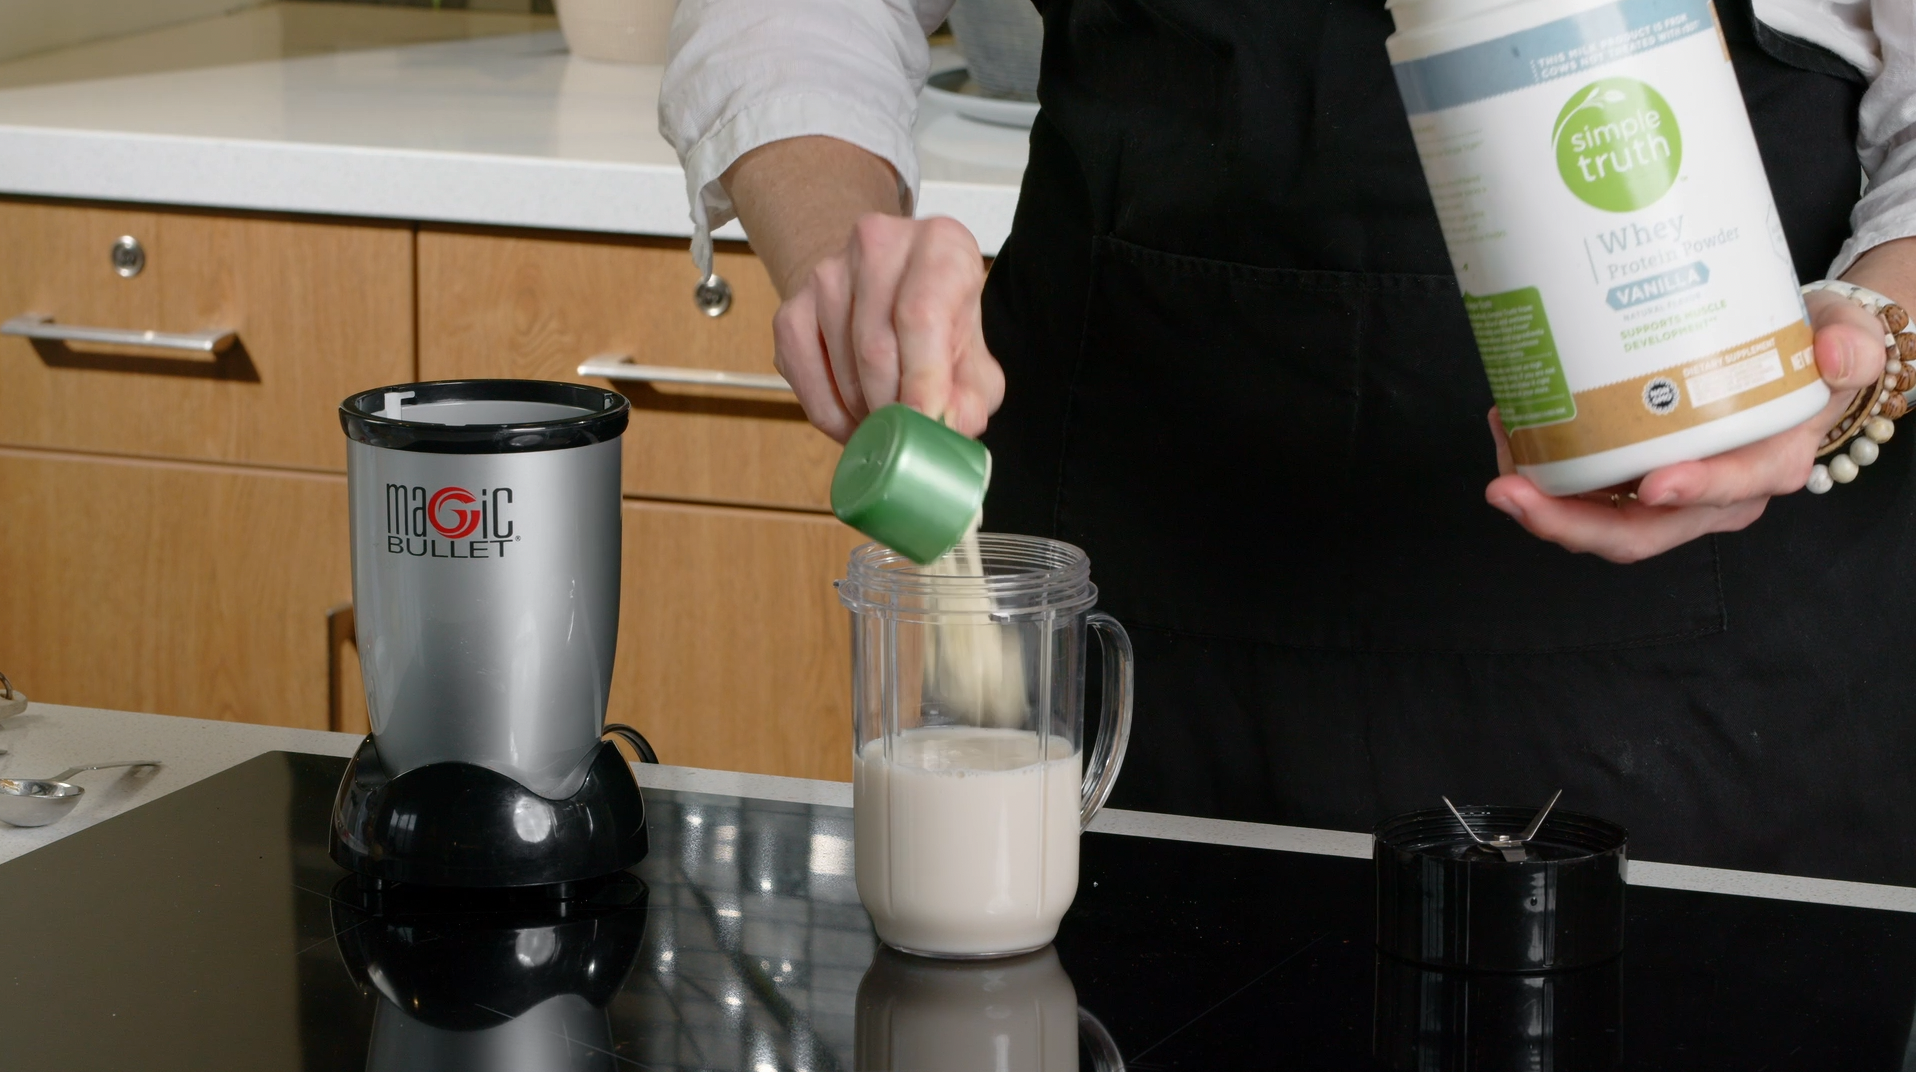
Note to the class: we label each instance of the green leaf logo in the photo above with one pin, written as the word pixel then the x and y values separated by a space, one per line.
pixel 1618 147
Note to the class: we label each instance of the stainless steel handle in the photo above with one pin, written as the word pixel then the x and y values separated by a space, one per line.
pixel 620 367
pixel 713 295
pixel 38 326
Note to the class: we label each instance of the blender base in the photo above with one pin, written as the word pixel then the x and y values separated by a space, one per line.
pixel 462 825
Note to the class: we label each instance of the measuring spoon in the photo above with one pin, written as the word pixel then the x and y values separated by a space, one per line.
pixel 39 801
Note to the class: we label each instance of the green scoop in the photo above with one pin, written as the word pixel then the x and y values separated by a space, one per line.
pixel 910 483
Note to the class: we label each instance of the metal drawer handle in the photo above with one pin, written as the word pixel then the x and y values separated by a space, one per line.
pixel 713 295
pixel 620 367
pixel 38 326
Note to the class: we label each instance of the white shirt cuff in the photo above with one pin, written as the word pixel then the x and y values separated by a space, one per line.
pixel 1887 210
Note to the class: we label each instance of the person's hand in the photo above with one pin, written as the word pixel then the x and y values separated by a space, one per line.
pixel 1678 503
pixel 893 317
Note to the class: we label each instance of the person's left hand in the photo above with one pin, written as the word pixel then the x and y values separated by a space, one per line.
pixel 1677 503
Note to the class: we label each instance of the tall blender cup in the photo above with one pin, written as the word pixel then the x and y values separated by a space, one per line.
pixel 485 542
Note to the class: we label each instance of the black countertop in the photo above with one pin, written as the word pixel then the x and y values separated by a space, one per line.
pixel 209 930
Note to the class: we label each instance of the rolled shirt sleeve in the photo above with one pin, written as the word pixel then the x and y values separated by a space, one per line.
pixel 1887 138
pixel 744 73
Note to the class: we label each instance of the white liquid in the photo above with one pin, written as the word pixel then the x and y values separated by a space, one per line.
pixel 1019 1014
pixel 966 840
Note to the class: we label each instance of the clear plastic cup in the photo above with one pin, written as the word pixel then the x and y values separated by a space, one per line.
pixel 971 780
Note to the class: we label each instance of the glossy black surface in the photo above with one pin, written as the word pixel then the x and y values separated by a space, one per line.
pixel 209 930
pixel 1433 1020
pixel 476 964
pixel 457 824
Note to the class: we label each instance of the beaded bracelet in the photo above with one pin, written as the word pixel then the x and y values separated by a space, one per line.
pixel 1867 424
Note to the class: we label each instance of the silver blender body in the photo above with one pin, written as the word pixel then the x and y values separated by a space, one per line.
pixel 486 592
pixel 485 539
pixel 563 1032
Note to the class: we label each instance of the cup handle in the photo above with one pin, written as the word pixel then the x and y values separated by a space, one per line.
pixel 1105 1055
pixel 1114 725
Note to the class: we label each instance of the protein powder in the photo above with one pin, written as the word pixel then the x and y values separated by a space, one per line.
pixel 1610 224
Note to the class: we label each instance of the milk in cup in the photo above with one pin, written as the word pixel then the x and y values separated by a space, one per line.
pixel 968 839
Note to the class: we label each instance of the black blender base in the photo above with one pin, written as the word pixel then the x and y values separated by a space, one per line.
pixel 462 825
pixel 456 960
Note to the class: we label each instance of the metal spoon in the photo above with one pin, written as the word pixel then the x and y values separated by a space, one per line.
pixel 1511 848
pixel 39 801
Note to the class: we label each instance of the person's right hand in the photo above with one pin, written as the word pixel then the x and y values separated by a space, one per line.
pixel 893 317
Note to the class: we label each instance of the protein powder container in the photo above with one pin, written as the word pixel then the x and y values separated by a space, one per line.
pixel 1611 227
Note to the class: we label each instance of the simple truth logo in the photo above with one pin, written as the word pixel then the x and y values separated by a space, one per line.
pixel 1618 147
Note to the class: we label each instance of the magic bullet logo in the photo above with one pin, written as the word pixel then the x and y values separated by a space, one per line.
pixel 450 522
pixel 464 521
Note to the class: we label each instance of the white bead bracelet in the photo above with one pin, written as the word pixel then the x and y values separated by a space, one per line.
pixel 1869 421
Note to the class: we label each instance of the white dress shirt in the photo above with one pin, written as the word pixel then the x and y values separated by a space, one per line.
pixel 747 72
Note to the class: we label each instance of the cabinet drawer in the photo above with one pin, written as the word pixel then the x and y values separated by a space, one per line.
pixel 734 652
pixel 183 589
pixel 320 310
pixel 529 305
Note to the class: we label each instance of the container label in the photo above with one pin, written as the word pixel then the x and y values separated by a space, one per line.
pixel 1556 50
pixel 1513 335
pixel 1618 145
pixel 1609 220
pixel 1671 399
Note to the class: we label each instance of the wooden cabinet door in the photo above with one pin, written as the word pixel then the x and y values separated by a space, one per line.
pixel 321 310
pixel 734 652
pixel 178 588
pixel 528 304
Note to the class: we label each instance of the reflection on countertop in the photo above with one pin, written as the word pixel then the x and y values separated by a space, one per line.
pixel 756 942
pixel 209 930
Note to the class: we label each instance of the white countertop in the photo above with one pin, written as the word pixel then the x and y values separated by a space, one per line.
pixel 508 131
pixel 50 738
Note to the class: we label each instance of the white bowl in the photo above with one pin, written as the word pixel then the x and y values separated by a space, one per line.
pixel 955 89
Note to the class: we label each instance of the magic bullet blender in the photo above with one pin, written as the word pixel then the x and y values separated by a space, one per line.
pixel 485 543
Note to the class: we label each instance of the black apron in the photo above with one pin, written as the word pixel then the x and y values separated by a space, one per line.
pixel 1240 377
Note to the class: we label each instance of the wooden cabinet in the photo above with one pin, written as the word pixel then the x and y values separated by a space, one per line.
pixel 160 586
pixel 733 649
pixel 175 525
pixel 526 304
pixel 320 310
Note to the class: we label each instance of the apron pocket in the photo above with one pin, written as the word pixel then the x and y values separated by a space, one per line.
pixel 1299 457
